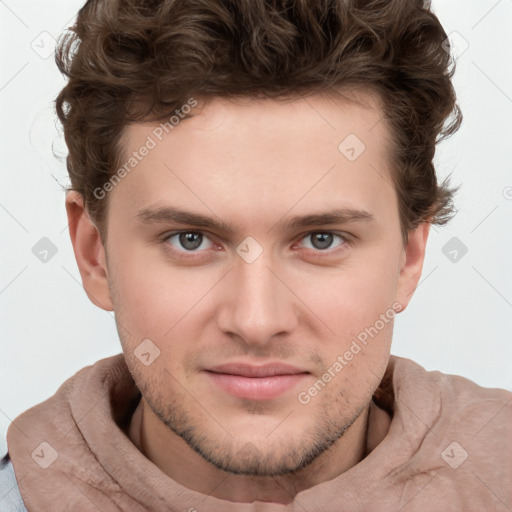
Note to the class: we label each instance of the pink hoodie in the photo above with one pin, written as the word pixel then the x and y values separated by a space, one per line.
pixel 448 448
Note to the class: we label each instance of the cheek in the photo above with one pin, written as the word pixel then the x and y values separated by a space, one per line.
pixel 153 296
pixel 354 295
pixel 355 303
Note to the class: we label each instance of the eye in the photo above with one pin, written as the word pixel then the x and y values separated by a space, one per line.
pixel 189 241
pixel 321 240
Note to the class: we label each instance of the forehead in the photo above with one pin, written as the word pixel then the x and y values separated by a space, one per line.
pixel 243 120
pixel 310 151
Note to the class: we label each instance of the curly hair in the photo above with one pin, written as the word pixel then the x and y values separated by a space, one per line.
pixel 131 61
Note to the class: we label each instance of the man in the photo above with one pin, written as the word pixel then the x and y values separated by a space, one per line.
pixel 252 191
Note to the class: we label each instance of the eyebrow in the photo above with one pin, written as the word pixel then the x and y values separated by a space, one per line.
pixel 174 215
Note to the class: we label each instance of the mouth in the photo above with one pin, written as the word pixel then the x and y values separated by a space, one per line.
pixel 257 383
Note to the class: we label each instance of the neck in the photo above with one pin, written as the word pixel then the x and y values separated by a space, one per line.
pixel 172 455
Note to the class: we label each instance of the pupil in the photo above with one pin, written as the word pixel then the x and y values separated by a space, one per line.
pixel 322 240
pixel 191 240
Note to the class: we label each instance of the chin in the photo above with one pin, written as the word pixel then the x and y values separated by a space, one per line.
pixel 249 460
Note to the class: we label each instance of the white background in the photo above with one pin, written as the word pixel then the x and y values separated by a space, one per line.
pixel 460 320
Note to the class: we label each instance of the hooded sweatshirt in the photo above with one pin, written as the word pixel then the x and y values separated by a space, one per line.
pixel 448 448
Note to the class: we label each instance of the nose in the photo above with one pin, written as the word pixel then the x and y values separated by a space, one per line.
pixel 258 304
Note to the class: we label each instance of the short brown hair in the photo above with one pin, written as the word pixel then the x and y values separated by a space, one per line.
pixel 138 60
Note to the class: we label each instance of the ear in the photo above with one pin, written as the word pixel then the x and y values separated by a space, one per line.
pixel 89 252
pixel 411 263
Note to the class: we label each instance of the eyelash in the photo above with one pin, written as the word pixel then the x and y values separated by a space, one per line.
pixel 346 241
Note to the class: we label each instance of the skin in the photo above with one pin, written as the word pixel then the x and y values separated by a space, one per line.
pixel 253 164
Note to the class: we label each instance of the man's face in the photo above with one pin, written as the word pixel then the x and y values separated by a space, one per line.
pixel 271 283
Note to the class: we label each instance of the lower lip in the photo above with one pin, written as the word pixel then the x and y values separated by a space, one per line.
pixel 256 388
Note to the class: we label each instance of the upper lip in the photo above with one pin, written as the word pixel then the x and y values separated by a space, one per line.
pixel 247 370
